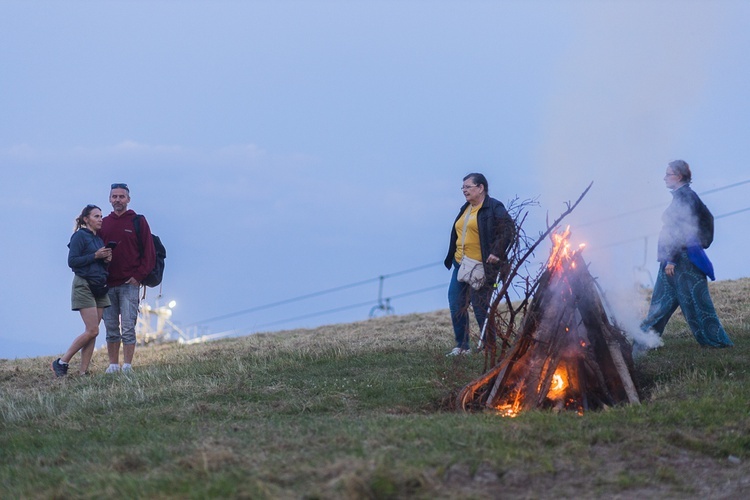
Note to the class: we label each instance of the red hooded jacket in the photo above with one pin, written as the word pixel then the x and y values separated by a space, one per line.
pixel 127 261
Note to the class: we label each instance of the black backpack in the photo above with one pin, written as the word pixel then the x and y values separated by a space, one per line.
pixel 157 273
pixel 705 225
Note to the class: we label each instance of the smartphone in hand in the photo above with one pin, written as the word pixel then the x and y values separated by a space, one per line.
pixel 111 244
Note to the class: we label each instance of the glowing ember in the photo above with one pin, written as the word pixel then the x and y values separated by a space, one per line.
pixel 507 411
pixel 510 409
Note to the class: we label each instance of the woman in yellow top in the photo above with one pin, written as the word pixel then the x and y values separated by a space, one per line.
pixel 483 231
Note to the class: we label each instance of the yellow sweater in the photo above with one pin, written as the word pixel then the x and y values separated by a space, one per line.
pixel 471 247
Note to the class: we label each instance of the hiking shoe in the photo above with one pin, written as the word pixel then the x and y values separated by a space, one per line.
pixel 457 351
pixel 60 369
pixel 112 369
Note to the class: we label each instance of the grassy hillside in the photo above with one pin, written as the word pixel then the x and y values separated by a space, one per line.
pixel 363 410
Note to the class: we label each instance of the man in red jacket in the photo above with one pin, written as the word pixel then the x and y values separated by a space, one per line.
pixel 132 261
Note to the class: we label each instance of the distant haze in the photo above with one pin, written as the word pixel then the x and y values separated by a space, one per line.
pixel 284 148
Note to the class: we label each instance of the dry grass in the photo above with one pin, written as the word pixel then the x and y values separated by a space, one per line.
pixel 361 411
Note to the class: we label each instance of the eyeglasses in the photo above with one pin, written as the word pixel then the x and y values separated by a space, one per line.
pixel 120 185
pixel 468 187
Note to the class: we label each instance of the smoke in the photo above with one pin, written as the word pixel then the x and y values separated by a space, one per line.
pixel 622 89
pixel 649 339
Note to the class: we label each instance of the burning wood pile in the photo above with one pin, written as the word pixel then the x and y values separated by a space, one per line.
pixel 567 356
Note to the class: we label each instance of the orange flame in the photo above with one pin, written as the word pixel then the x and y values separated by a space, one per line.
pixel 560 248
pixel 511 409
pixel 561 252
pixel 558 385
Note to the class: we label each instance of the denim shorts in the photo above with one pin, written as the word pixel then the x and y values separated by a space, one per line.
pixel 121 318
pixel 82 298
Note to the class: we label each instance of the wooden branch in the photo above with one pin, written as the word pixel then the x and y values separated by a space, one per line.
pixel 594 316
pixel 514 270
pixel 615 351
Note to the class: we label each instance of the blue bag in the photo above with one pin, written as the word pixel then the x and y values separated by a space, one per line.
pixel 698 256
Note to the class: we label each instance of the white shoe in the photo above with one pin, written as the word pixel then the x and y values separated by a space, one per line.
pixel 112 369
pixel 457 351
pixel 127 368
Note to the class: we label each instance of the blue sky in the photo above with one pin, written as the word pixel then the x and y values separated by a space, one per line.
pixel 283 148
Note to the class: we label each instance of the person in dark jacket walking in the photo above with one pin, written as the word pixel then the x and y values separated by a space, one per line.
pixel 683 266
pixel 132 260
pixel 483 232
pixel 88 258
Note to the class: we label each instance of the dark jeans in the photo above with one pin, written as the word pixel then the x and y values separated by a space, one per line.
pixel 459 296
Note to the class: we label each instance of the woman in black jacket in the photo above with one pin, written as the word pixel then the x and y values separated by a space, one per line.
pixel 482 233
pixel 88 258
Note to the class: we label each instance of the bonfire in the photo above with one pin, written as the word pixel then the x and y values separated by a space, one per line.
pixel 568 354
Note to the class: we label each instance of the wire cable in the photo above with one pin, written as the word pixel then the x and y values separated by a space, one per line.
pixel 416 292
pixel 318 313
pixel 352 306
pixel 311 295
pixel 433 264
pixel 659 205
pixel 639 238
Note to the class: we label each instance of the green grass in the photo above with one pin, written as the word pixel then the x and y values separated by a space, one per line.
pixel 365 411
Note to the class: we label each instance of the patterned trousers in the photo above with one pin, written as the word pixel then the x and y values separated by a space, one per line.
pixel 688 289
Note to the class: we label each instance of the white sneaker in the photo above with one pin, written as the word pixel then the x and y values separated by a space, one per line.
pixel 457 351
pixel 112 369
pixel 127 368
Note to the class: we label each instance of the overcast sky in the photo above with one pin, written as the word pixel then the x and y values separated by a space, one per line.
pixel 285 148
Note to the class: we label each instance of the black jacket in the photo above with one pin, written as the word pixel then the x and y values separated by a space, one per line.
pixel 82 247
pixel 496 233
pixel 686 221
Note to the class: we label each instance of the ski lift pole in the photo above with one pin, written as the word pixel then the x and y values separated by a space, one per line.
pixel 643 267
pixel 382 305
